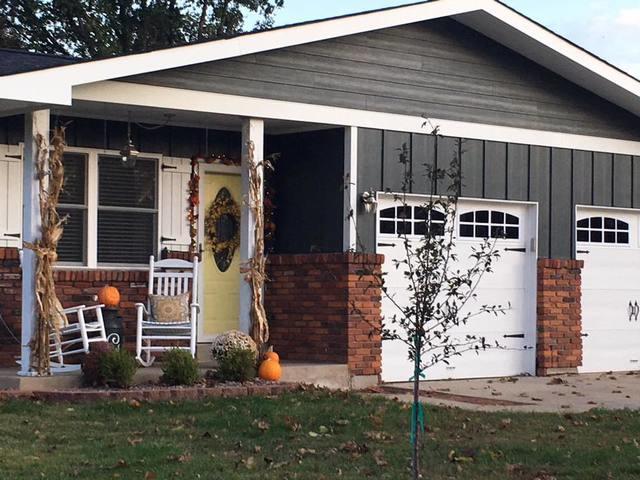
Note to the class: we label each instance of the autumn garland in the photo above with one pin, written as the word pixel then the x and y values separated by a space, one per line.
pixel 194 202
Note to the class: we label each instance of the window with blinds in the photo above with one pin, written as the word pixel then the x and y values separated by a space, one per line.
pixel 73 208
pixel 127 210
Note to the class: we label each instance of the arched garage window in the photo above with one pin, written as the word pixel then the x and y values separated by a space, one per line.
pixel 489 224
pixel 603 230
pixel 410 220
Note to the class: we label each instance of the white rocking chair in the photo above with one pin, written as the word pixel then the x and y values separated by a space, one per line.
pixel 168 278
pixel 75 337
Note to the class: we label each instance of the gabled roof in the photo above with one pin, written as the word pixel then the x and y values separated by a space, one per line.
pixel 20 61
pixel 489 17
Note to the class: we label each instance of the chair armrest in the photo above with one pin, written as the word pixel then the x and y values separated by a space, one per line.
pixel 196 306
pixel 74 309
pixel 93 307
pixel 141 307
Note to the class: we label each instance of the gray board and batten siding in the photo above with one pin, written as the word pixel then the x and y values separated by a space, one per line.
pixel 557 179
pixel 438 68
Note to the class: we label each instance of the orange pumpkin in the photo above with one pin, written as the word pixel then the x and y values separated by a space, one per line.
pixel 270 370
pixel 109 296
pixel 271 355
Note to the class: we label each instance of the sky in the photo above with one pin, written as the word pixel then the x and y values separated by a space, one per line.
pixel 608 28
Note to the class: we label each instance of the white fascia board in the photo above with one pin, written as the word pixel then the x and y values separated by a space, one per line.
pixel 546 48
pixel 133 94
pixel 53 85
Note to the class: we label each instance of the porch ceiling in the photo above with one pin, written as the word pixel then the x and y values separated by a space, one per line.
pixel 182 118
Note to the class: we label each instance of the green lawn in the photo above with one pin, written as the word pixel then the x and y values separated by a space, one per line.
pixel 310 435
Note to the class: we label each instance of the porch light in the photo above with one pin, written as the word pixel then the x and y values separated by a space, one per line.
pixel 369 201
pixel 128 154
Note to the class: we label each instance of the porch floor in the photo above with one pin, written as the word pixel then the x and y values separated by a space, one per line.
pixel 334 376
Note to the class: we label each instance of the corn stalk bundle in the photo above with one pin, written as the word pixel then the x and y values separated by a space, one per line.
pixel 255 267
pixel 50 318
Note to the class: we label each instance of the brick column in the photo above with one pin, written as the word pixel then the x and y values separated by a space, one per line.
pixel 10 303
pixel 559 316
pixel 323 308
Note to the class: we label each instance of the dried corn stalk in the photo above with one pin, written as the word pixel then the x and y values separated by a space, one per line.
pixel 50 318
pixel 255 267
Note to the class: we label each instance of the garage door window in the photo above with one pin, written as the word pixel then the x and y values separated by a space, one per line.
pixel 603 230
pixel 408 220
pixel 489 224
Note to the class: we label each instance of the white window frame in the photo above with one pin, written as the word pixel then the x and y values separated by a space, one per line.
pixel 91 246
pixel 489 224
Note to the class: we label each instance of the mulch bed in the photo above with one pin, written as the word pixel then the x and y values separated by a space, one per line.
pixel 154 393
pixel 448 396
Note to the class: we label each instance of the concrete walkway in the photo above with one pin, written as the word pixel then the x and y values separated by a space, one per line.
pixel 562 393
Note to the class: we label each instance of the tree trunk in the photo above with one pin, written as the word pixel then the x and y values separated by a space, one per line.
pixel 415 457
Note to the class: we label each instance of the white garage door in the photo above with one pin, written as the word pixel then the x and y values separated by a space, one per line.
pixel 607 241
pixel 513 281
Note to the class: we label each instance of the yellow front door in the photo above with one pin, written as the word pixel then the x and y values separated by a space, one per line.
pixel 221 276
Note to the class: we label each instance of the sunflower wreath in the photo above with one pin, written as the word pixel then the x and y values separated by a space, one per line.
pixel 222 205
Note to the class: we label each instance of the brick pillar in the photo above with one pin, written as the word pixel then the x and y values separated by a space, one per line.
pixel 323 308
pixel 10 306
pixel 559 347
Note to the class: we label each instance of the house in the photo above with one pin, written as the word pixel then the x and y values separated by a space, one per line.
pixel 551 155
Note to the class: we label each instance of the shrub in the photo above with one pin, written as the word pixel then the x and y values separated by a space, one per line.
pixel 179 368
pixel 118 367
pixel 91 375
pixel 237 365
pixel 233 340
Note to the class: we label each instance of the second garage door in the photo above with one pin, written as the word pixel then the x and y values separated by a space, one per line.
pixel 607 241
pixel 513 281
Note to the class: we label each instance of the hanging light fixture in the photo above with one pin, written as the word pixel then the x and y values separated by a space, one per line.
pixel 128 154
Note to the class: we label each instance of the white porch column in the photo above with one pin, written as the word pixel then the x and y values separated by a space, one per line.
pixel 252 131
pixel 35 123
pixel 350 203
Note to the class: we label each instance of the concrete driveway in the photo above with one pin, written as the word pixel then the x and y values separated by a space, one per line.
pixel 561 393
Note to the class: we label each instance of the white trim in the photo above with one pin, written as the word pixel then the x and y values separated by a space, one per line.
pixel 206 102
pixel 350 197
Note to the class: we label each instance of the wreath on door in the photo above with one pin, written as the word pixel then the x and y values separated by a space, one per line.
pixel 222 228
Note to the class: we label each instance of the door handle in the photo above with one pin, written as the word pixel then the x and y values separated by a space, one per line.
pixel 521 250
pixel 586 252
pixel 386 244
pixel 634 311
pixel 515 335
pixel 584 334
pixel 166 239
pixel 14 235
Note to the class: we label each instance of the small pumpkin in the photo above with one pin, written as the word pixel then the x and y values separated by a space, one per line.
pixel 109 296
pixel 271 355
pixel 270 370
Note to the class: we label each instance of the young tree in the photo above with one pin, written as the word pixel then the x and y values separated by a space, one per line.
pixel 441 287
pixel 102 28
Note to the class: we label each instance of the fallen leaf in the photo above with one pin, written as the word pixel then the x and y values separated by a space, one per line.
pixel 150 476
pixel 121 463
pixel 263 425
pixel 378 457
pixel 292 424
pixel 133 403
pixel 134 441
